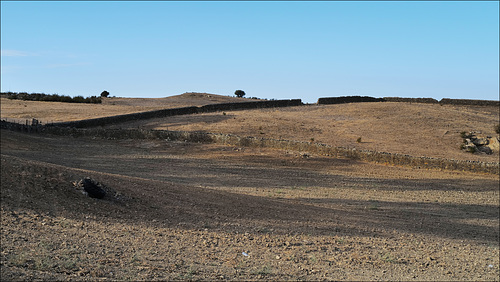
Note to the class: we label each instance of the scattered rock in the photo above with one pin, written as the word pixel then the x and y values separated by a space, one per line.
pixel 480 141
pixel 481 144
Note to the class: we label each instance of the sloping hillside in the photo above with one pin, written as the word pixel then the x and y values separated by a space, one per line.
pixel 184 211
pixel 46 112
pixel 429 130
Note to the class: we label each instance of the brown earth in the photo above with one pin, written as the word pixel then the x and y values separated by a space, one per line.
pixel 427 130
pixel 430 130
pixel 186 211
pixel 48 112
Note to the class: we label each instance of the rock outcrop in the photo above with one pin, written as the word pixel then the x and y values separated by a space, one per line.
pixel 475 143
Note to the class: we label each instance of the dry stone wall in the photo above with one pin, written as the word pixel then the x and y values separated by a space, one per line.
pixel 178 111
pixel 348 99
pixel 234 140
pixel 87 128
pixel 469 102
pixel 444 101
pixel 411 100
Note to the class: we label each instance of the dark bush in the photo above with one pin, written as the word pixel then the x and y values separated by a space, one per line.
pixel 66 99
pixel 94 100
pixel 104 93
pixel 51 98
pixel 12 96
pixel 78 99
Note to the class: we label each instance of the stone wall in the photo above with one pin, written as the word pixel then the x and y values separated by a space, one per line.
pixel 411 100
pixel 469 102
pixel 127 117
pixel 348 99
pixel 234 140
pixel 178 111
pixel 444 101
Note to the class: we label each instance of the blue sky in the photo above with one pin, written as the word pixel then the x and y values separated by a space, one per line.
pixel 279 50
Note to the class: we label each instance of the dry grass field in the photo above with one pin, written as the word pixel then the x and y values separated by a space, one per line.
pixel 427 130
pixel 189 211
pixel 19 110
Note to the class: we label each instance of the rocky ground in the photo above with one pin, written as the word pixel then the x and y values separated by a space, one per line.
pixel 185 211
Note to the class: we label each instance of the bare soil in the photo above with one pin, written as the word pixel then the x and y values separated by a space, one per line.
pixel 187 211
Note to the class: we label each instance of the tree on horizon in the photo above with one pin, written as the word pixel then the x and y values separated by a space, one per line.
pixel 239 93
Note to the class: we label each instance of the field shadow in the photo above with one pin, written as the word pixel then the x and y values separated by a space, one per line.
pixel 164 190
pixel 46 188
pixel 457 221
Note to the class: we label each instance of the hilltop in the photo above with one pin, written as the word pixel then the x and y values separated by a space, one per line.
pixel 57 111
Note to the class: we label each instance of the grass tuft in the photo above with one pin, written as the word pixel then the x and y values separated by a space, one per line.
pixel 265 270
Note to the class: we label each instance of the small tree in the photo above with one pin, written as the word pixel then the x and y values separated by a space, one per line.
pixel 239 93
pixel 104 93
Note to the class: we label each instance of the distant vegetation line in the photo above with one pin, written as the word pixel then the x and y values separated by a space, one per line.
pixel 321 101
pixel 51 97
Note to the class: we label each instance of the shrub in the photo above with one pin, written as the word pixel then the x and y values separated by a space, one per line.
pixel 464 135
pixel 471 149
pixel 104 93
pixel 94 100
pixel 239 93
pixel 66 99
pixel 12 96
pixel 78 99
pixel 52 98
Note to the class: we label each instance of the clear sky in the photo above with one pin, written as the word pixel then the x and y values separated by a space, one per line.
pixel 279 50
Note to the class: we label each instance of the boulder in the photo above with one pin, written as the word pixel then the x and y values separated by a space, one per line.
pixel 494 144
pixel 480 141
pixel 481 144
pixel 92 188
pixel 485 149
